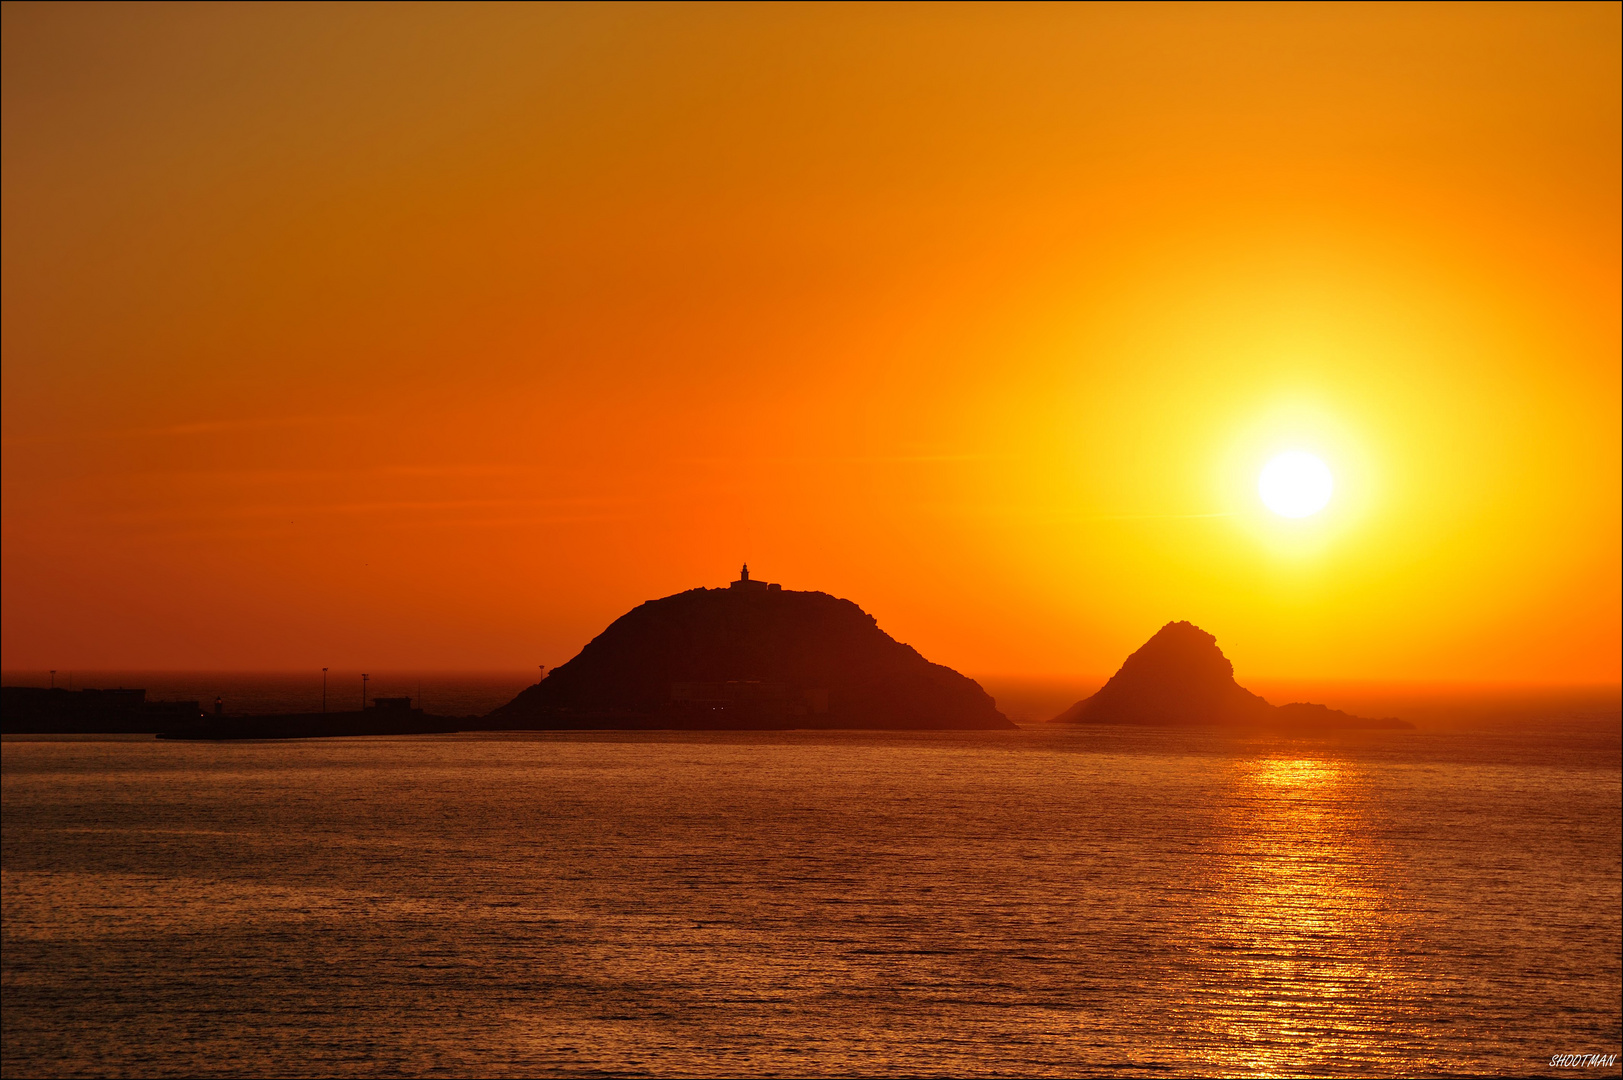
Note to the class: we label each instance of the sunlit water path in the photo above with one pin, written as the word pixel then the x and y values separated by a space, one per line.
pixel 1035 902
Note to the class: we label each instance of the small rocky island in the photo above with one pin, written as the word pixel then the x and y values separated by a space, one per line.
pixel 1180 677
pixel 750 656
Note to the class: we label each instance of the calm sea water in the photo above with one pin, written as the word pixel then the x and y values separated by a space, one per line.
pixel 1032 902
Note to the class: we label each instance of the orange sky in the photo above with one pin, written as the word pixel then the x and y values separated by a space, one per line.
pixel 440 336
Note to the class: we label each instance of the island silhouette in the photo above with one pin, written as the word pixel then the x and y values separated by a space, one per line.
pixel 749 656
pixel 1181 678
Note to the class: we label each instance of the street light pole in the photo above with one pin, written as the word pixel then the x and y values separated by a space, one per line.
pixel 323 691
pixel 364 677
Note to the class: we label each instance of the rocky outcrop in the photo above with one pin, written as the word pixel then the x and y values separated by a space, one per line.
pixel 1180 677
pixel 749 658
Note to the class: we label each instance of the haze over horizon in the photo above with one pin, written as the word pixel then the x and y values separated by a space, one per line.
pixel 439 337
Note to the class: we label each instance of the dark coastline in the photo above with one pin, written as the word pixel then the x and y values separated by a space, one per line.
pixel 345 725
pixel 311 726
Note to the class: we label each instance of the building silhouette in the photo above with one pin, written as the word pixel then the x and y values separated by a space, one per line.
pixel 744 584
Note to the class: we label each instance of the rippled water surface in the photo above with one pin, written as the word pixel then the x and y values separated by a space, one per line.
pixel 1030 902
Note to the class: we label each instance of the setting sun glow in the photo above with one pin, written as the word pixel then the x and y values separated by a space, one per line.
pixel 325 344
pixel 1295 484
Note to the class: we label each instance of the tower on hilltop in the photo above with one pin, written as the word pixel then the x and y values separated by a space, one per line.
pixel 745 585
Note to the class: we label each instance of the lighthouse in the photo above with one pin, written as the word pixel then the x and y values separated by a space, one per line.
pixel 745 585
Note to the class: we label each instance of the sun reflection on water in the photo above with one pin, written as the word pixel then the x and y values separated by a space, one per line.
pixel 1304 934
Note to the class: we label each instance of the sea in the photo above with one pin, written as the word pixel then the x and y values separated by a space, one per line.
pixel 1036 902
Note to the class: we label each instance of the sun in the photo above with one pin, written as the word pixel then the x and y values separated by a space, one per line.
pixel 1295 484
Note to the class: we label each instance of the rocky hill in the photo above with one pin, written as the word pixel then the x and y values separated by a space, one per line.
pixel 749 657
pixel 1181 677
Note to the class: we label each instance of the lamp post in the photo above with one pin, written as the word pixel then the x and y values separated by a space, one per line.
pixel 323 691
pixel 53 678
pixel 364 677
